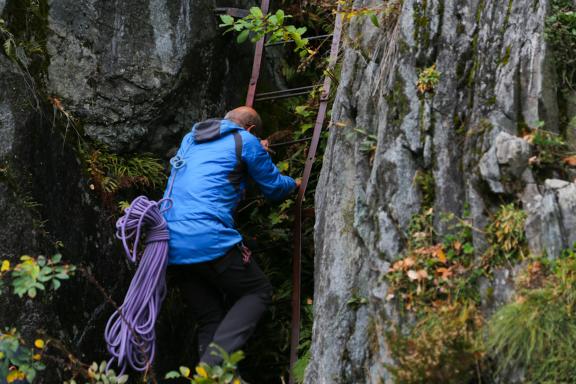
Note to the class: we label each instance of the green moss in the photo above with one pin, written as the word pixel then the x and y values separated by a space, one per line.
pixel 421 24
pixel 460 29
pixel 397 101
pixel 507 17
pixel 491 101
pixel 348 215
pixel 504 59
pixel 424 179
pixel 479 11
pixel 403 47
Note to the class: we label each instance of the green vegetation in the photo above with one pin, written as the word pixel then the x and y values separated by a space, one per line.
pixel 272 25
pixel 443 347
pixel 560 27
pixel 97 374
pixel 112 173
pixel 506 237
pixel 434 272
pixel 18 361
pixel 428 79
pixel 34 274
pixel 424 179
pixel 437 281
pixel 225 373
pixel 537 331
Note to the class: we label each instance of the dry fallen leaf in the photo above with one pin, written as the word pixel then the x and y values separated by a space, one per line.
pixel 440 254
pixel 444 273
pixel 412 275
pixel 529 137
pixel 570 161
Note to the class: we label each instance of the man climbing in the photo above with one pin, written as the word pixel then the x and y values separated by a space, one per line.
pixel 206 256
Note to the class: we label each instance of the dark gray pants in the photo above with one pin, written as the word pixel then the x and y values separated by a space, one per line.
pixel 207 287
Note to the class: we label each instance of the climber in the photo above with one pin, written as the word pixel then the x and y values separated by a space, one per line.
pixel 207 259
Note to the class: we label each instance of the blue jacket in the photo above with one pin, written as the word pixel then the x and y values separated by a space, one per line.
pixel 206 184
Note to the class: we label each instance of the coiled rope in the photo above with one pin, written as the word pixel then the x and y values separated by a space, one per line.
pixel 129 333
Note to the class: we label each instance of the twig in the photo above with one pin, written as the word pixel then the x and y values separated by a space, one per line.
pixel 107 296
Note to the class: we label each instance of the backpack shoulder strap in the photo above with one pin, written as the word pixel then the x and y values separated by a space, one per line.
pixel 238 144
pixel 237 175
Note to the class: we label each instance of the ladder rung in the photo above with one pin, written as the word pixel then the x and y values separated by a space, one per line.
pixel 309 87
pixel 291 41
pixel 292 92
pixel 288 95
pixel 234 12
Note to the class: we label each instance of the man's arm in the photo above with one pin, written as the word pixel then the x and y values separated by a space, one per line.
pixel 272 183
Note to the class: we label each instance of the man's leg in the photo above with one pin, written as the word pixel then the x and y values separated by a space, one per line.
pixel 251 291
pixel 205 302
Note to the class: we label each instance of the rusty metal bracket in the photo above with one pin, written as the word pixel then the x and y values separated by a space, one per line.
pixel 258 54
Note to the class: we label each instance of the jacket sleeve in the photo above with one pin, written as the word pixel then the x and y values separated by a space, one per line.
pixel 272 183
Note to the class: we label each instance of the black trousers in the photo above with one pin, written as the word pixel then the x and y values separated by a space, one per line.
pixel 207 288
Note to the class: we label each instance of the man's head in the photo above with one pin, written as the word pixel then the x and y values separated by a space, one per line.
pixel 246 117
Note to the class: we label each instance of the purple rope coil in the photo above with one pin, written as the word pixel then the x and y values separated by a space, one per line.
pixel 129 333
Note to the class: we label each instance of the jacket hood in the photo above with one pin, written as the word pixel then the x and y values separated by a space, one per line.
pixel 213 129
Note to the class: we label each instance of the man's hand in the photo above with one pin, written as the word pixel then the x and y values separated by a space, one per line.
pixel 265 144
pixel 298 183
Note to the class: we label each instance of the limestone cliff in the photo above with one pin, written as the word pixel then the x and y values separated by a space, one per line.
pixel 497 82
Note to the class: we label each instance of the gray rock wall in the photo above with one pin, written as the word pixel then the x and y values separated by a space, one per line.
pixel 134 75
pixel 496 78
pixel 139 73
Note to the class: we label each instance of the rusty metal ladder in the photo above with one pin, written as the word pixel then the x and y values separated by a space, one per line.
pixel 251 97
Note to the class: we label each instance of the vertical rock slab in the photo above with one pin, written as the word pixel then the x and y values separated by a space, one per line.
pixel 463 136
pixel 138 72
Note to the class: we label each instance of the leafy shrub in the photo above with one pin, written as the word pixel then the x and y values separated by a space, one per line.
pixel 224 373
pixel 506 236
pixel 33 274
pixel 17 361
pixel 259 25
pixel 98 374
pixel 428 79
pixel 434 272
pixel 111 173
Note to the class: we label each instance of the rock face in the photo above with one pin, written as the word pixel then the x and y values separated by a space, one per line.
pixel 138 73
pixel 496 80
pixel 135 75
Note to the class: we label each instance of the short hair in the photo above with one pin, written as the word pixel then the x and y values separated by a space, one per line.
pixel 245 116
